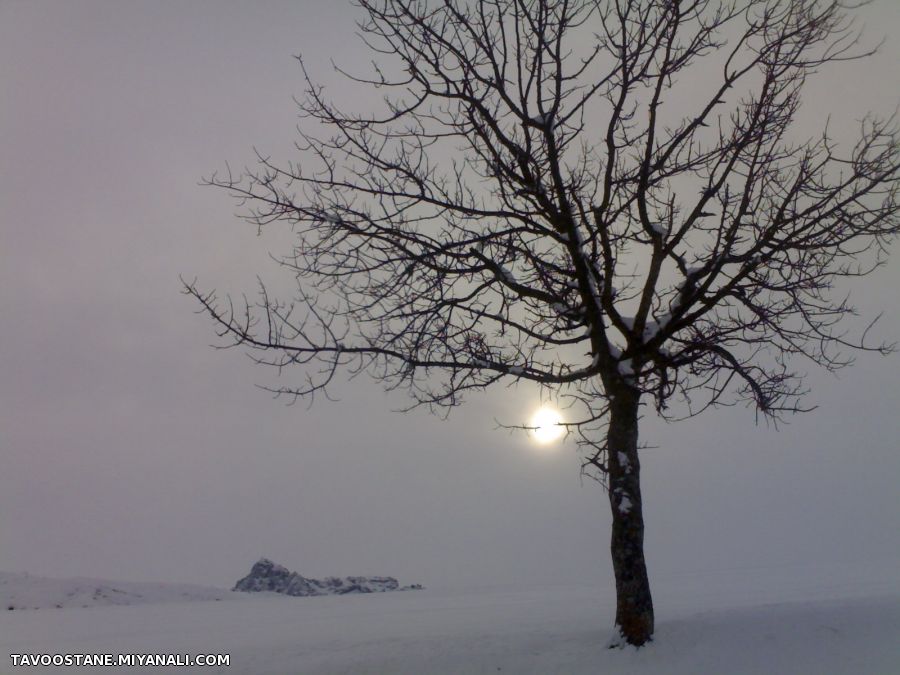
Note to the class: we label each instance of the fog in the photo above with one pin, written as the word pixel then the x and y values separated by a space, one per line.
pixel 131 449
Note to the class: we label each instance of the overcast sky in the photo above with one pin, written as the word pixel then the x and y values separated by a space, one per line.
pixel 129 449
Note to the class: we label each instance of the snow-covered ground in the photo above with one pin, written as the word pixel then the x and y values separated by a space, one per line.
pixel 825 620
pixel 20 591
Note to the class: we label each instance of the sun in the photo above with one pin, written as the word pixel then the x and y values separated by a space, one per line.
pixel 547 425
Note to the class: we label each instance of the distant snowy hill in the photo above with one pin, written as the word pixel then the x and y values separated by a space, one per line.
pixel 267 576
pixel 24 591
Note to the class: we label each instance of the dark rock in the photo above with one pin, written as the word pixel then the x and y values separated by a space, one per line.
pixel 267 576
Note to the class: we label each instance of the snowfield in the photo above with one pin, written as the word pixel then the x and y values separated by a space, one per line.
pixel 25 591
pixel 836 620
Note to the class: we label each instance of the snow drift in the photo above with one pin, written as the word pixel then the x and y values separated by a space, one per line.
pixel 19 590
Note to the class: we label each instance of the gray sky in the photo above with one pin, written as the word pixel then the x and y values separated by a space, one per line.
pixel 129 449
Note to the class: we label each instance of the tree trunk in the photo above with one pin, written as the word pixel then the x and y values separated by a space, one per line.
pixel 634 606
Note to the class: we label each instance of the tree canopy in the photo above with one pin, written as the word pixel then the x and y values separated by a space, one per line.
pixel 609 199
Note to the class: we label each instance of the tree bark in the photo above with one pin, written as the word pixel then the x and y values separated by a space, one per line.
pixel 634 605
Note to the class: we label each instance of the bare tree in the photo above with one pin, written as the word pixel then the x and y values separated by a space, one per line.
pixel 602 197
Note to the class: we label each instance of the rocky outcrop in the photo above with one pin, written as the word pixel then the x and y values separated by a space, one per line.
pixel 267 576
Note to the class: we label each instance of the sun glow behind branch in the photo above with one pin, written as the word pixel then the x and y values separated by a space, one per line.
pixel 547 426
